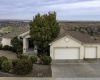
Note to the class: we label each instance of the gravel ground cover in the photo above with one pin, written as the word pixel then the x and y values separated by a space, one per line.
pixel 38 71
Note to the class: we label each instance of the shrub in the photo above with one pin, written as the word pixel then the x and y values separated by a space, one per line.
pixel 33 59
pixel 22 56
pixel 17 45
pixel 19 49
pixel 46 60
pixel 6 47
pixel 6 66
pixel 14 62
pixel 0 47
pixel 23 67
pixel 2 58
pixel 13 49
pixel 10 48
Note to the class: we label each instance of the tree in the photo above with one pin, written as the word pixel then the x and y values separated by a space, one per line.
pixel 17 45
pixel 43 29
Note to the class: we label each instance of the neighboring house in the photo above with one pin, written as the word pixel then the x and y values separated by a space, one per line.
pixel 21 33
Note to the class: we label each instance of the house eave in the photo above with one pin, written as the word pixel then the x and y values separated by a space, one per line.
pixel 69 37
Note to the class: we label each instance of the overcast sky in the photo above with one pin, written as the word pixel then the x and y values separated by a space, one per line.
pixel 65 9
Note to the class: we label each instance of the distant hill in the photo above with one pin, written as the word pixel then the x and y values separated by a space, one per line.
pixel 77 24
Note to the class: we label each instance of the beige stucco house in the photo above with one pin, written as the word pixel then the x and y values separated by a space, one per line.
pixel 68 44
pixel 21 33
pixel 74 45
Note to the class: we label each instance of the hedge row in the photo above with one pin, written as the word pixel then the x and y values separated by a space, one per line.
pixel 43 59
pixel 10 48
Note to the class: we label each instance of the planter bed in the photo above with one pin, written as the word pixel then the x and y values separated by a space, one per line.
pixel 38 71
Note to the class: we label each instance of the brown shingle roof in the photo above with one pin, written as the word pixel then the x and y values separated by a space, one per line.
pixel 82 37
pixel 16 33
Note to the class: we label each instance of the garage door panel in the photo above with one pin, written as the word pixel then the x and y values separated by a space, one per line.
pixel 90 52
pixel 66 53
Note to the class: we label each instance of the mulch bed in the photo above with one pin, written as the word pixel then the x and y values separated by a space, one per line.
pixel 38 71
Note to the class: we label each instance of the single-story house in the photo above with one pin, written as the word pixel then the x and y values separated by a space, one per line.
pixel 22 33
pixel 74 45
pixel 68 44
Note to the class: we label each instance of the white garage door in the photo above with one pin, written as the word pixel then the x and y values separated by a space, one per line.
pixel 66 53
pixel 90 52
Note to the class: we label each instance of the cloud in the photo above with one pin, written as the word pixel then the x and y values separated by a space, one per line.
pixel 66 9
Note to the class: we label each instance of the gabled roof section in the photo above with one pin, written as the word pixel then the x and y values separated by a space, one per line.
pixel 82 37
pixel 16 33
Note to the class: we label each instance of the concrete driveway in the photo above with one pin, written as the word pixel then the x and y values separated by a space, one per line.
pixel 76 69
pixel 8 54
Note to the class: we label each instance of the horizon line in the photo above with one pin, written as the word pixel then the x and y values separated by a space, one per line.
pixel 57 20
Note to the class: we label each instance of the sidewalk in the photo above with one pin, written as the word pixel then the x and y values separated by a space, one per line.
pixel 26 78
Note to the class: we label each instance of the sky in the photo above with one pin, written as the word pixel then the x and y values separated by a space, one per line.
pixel 65 9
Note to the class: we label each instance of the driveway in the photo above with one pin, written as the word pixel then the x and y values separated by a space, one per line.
pixel 8 54
pixel 76 69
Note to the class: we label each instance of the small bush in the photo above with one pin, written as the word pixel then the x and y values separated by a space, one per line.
pixel 19 49
pixel 33 59
pixel 0 47
pixel 6 47
pixel 14 62
pixel 13 49
pixel 6 66
pixel 19 56
pixel 22 56
pixel 46 60
pixel 2 58
pixel 10 48
pixel 23 67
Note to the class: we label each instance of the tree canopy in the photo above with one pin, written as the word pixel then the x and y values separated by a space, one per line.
pixel 43 29
pixel 17 45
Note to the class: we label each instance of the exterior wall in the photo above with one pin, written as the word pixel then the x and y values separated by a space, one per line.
pixel 70 43
pixel 6 41
pixel 73 43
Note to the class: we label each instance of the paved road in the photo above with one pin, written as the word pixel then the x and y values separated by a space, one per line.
pixel 76 69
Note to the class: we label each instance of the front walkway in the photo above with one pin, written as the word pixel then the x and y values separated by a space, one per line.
pixel 30 51
pixel 76 69
pixel 8 54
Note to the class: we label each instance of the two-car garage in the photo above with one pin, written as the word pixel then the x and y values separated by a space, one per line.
pixel 74 53
pixel 73 49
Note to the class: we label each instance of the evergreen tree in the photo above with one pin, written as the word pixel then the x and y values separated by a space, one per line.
pixel 43 29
